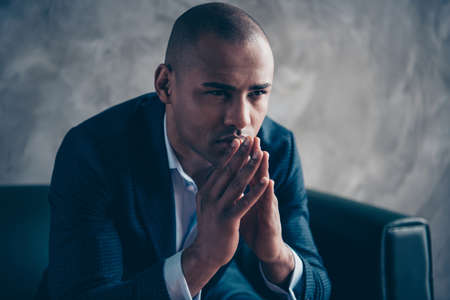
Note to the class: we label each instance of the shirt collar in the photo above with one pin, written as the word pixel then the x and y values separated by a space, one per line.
pixel 174 163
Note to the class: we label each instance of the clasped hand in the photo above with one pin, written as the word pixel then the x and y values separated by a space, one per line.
pixel 224 212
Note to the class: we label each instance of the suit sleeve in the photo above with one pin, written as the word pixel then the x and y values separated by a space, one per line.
pixel 85 253
pixel 294 214
pixel 232 286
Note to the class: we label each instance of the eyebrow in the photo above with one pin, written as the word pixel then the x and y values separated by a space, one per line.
pixel 260 86
pixel 228 87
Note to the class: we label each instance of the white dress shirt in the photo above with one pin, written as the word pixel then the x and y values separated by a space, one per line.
pixel 185 191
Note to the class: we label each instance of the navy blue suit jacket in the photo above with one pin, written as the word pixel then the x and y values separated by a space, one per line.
pixel 113 218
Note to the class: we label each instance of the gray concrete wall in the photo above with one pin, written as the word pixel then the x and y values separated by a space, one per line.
pixel 363 84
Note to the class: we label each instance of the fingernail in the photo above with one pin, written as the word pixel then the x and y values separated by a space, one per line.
pixel 246 141
pixel 255 155
pixel 234 144
pixel 263 180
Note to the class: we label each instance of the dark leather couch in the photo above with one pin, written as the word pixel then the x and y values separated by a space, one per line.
pixel 370 253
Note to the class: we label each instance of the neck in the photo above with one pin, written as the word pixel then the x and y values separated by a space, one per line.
pixel 193 164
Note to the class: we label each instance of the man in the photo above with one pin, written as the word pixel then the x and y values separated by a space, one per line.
pixel 172 196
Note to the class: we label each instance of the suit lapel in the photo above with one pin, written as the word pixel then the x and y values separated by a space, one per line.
pixel 151 176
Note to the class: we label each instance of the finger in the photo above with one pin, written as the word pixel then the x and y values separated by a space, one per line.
pixel 235 145
pixel 215 173
pixel 242 206
pixel 267 197
pixel 238 184
pixel 241 156
pixel 255 146
pixel 263 170
pixel 225 175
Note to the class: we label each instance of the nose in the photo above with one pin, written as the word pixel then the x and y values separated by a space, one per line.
pixel 238 113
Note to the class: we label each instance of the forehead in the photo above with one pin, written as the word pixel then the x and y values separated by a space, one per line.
pixel 237 63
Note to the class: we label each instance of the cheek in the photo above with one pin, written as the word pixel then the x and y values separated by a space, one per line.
pixel 259 113
pixel 199 121
pixel 205 112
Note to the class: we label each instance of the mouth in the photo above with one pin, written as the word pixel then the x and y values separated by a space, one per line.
pixel 229 139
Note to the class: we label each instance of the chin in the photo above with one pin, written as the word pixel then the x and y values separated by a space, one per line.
pixel 215 156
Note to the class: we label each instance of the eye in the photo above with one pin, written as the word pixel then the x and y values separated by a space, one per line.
pixel 221 95
pixel 216 93
pixel 257 93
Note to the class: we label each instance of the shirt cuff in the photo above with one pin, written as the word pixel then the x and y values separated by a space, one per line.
pixel 174 277
pixel 295 278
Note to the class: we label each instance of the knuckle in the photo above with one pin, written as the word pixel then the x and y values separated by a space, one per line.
pixel 243 153
pixel 246 173
pixel 256 191
pixel 244 203
pixel 236 185
pixel 252 164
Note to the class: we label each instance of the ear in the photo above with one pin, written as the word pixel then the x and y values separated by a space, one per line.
pixel 163 82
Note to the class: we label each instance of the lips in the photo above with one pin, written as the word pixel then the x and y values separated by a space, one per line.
pixel 229 139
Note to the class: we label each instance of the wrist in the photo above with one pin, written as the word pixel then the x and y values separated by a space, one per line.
pixel 196 269
pixel 279 269
pixel 194 255
pixel 283 257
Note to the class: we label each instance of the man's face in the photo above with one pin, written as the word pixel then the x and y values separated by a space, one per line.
pixel 221 95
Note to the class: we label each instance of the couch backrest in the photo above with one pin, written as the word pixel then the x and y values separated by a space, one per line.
pixel 24 232
pixel 370 253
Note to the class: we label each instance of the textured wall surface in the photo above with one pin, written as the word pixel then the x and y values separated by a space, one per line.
pixel 363 84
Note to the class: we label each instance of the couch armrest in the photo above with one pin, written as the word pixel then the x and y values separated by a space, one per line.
pixel 370 252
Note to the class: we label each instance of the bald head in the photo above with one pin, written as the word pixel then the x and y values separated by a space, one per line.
pixel 221 20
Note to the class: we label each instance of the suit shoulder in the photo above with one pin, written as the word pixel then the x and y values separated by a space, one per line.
pixel 280 143
pixel 105 134
pixel 112 122
pixel 274 135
